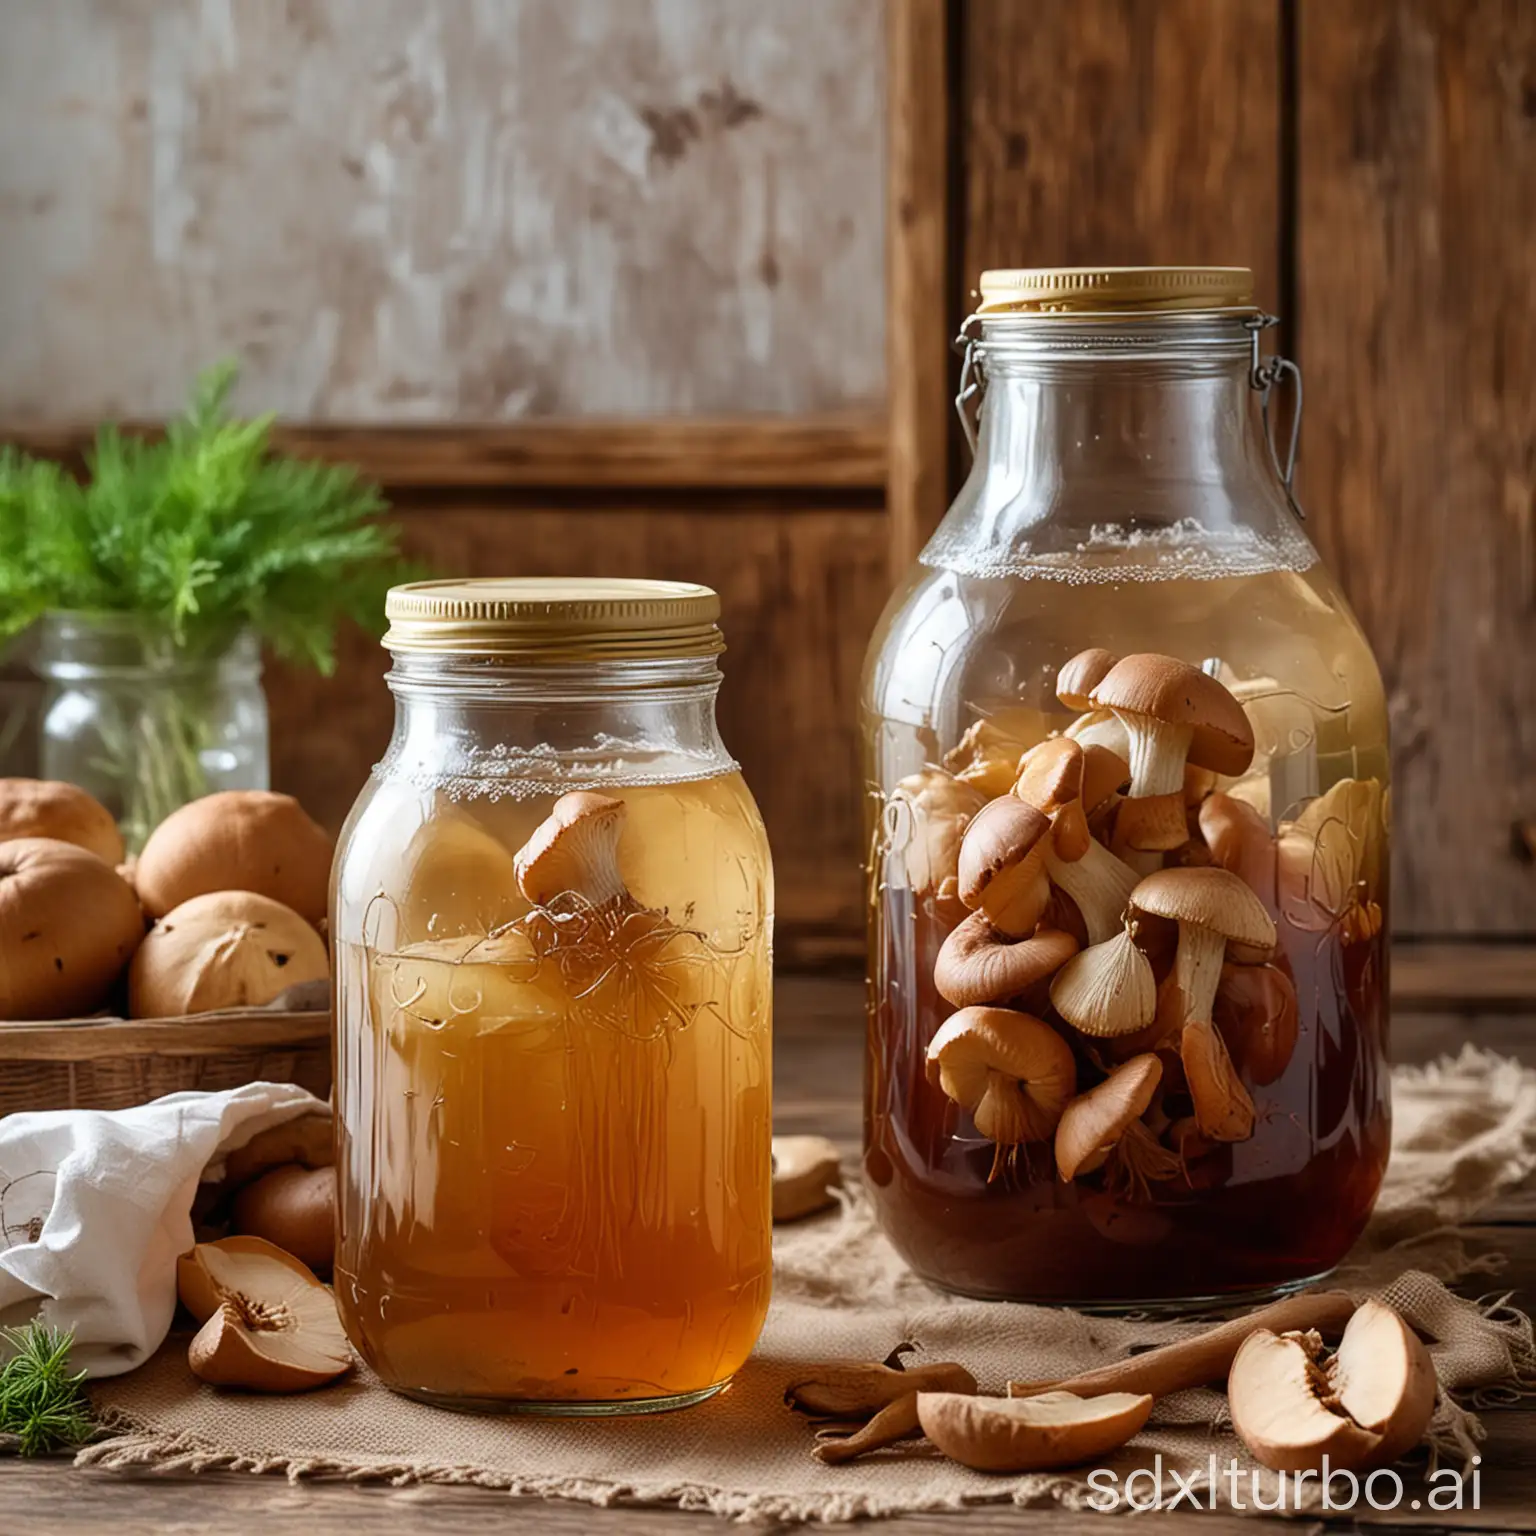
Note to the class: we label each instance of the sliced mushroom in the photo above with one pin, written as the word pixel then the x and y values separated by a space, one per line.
pixel 268 1324
pixel 575 850
pixel 1107 990
pixel 1173 713
pixel 1030 1434
pixel 1002 865
pixel 852 1389
pixel 1369 1404
pixel 1011 1071
pixel 1257 1015
pixel 1094 1122
pixel 1241 843
pixel 940 807
pixel 1080 676
pixel 979 965
pixel 805 1172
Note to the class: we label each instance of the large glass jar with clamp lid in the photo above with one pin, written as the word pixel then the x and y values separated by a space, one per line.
pixel 1127 753
pixel 552 919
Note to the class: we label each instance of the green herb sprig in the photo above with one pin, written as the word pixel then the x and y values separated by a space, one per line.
pixel 41 1401
pixel 202 533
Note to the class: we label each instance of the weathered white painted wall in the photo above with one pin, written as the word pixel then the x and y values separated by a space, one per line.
pixel 420 210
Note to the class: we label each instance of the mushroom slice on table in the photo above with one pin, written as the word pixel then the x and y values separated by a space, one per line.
pixel 1030 1434
pixel 1107 990
pixel 979 965
pixel 1092 1125
pixel 1173 714
pixel 1002 865
pixel 575 849
pixel 1011 1071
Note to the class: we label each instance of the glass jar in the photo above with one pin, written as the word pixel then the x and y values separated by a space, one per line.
pixel 145 724
pixel 1127 1025
pixel 552 920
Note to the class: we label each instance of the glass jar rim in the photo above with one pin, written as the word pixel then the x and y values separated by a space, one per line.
pixel 555 620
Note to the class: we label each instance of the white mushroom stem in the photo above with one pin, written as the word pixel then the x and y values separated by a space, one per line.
pixel 1100 885
pixel 1197 968
pixel 1157 754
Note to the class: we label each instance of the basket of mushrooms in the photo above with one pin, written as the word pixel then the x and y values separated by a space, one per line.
pixel 202 964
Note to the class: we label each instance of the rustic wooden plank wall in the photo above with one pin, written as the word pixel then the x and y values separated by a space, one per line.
pixel 1375 163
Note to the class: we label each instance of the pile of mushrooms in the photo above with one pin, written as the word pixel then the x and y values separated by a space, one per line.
pixel 1111 948
pixel 1293 1404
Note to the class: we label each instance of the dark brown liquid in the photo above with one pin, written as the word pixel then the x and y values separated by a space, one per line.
pixel 1277 1209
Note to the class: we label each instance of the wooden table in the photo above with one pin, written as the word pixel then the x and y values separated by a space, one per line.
pixel 817 1083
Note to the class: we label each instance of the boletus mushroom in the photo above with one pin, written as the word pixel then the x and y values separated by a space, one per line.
pixel 268 1324
pixel 1367 1405
pixel 977 964
pixel 1011 1071
pixel 1078 678
pixel 1030 1434
pixel 1173 714
pixel 575 851
pixel 1002 865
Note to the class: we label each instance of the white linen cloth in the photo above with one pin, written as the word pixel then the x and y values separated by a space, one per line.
pixel 96 1206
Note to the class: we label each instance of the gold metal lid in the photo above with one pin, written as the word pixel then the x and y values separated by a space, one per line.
pixel 555 618
pixel 1115 290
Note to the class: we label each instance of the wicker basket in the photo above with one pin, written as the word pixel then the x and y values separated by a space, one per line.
pixel 100 1063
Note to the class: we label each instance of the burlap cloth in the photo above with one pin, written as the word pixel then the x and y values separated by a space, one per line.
pixel 1465 1129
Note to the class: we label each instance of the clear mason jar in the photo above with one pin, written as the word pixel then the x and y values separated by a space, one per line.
pixel 552 918
pixel 145 724
pixel 1128 945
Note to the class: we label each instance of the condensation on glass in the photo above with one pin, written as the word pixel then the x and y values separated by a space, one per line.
pixel 552 919
pixel 1127 761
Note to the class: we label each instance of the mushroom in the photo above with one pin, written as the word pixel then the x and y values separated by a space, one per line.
pixel 575 849
pixel 1173 713
pixel 1107 990
pixel 1329 860
pixel 1030 1434
pixel 1101 728
pixel 1223 1106
pixel 979 965
pixel 1011 1071
pixel 1213 909
pixel 940 807
pixel 268 1324
pixel 1241 843
pixel 1055 778
pixel 1002 865
pixel 805 1172
pixel 1369 1404
pixel 1093 1123
pixel 987 755
pixel 1257 1015
pixel 1080 676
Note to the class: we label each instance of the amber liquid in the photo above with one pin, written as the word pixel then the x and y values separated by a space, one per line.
pixel 555 1124
pixel 1255 1216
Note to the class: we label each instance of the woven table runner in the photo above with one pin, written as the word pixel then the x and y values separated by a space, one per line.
pixel 1464 1130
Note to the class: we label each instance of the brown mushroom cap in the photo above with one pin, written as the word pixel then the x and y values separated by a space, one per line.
pixel 979 965
pixel 1207 898
pixel 1080 676
pixel 1094 1121
pixel 1104 773
pixel 1012 1071
pixel 64 812
pixel 1179 694
pixel 1000 836
pixel 574 849
pixel 1241 842
pixel 1051 774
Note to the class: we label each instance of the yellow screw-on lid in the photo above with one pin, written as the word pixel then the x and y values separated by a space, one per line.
pixel 1115 290
pixel 555 618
